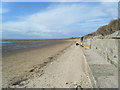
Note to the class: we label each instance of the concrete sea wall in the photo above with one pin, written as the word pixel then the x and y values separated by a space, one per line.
pixel 107 48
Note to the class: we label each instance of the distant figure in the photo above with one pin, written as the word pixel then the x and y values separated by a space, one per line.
pixel 82 41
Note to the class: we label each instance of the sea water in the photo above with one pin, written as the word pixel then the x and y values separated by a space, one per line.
pixel 5 42
pixel 19 45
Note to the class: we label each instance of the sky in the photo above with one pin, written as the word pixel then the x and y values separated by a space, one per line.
pixel 46 20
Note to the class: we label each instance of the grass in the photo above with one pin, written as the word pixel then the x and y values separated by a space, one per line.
pixel 113 26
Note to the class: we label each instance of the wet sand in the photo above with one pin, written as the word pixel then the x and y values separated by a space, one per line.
pixel 19 65
pixel 10 46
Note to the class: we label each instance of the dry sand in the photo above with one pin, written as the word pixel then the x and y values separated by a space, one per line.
pixel 69 70
pixel 0 70
pixel 56 66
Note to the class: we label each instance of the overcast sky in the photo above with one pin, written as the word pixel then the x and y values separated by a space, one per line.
pixel 33 20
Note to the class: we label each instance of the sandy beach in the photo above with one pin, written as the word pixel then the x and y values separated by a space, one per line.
pixel 21 65
pixel 68 70
pixel 58 65
pixel 55 66
pixel 67 44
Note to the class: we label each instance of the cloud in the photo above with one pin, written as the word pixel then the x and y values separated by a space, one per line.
pixel 62 20
pixel 3 10
pixel 60 0
pixel 112 8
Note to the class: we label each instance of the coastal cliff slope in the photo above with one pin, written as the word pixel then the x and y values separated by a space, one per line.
pixel 112 27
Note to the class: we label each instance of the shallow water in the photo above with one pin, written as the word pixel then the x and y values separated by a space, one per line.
pixel 13 46
pixel 5 42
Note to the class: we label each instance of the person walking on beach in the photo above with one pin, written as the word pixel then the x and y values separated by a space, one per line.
pixel 81 41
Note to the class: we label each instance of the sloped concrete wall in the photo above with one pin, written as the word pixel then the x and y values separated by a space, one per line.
pixel 107 48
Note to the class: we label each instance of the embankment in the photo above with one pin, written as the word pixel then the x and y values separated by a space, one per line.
pixel 105 40
pixel 102 56
pixel 107 48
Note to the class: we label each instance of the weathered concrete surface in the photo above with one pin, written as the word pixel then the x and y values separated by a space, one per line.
pixel 107 48
pixel 105 74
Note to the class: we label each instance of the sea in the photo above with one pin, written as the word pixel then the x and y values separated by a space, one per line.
pixel 9 46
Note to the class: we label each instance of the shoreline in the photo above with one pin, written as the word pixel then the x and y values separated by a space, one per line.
pixel 18 65
pixel 16 46
pixel 25 40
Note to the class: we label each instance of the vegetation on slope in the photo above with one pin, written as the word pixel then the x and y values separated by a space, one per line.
pixel 113 26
